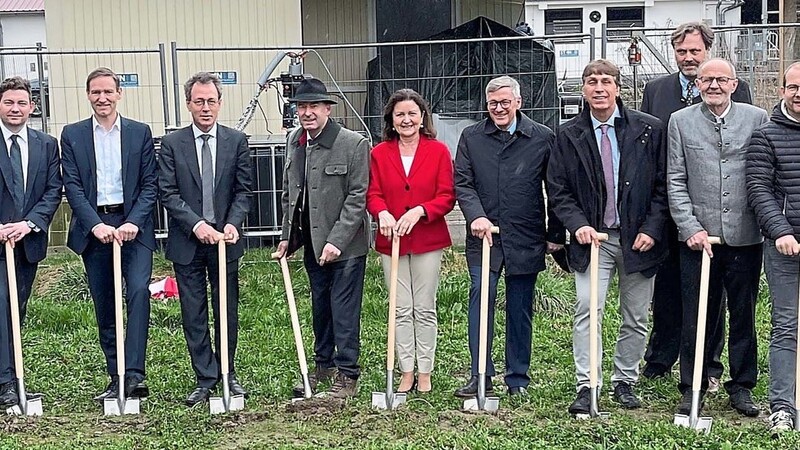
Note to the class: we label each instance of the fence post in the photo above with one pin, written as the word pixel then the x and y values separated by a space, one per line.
pixel 603 41
pixel 42 89
pixel 176 83
pixel 164 91
pixel 591 44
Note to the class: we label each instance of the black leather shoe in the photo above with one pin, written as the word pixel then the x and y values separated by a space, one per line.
pixel 236 388
pixel 623 394
pixel 582 402
pixel 135 387
pixel 655 370
pixel 111 391
pixel 198 395
pixel 685 406
pixel 520 391
pixel 8 394
pixel 470 389
pixel 742 402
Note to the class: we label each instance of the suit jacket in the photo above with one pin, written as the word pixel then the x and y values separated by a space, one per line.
pixel 337 178
pixel 663 96
pixel 42 191
pixel 429 184
pixel 578 192
pixel 139 180
pixel 706 173
pixel 181 189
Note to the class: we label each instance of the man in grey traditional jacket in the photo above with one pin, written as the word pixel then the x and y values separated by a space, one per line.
pixel 708 197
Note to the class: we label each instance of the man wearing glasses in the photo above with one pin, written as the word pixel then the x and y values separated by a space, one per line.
pixel 204 179
pixel 500 169
pixel 663 96
pixel 707 197
pixel 773 178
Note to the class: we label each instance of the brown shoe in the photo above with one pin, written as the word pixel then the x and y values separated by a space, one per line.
pixel 318 375
pixel 343 387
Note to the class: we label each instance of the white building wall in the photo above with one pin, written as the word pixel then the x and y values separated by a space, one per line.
pixel 21 30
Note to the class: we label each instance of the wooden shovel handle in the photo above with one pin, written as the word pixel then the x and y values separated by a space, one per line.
pixel 13 295
pixel 222 263
pixel 594 287
pixel 484 316
pixel 298 338
pixel 702 313
pixel 118 320
pixel 392 326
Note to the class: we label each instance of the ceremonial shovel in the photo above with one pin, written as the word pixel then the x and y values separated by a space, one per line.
pixel 298 338
pixel 120 405
pixel 693 420
pixel 28 405
pixel 228 402
pixel 594 275
pixel 481 402
pixel 389 399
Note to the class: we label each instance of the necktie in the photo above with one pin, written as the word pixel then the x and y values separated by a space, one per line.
pixel 208 180
pixel 18 190
pixel 688 97
pixel 610 215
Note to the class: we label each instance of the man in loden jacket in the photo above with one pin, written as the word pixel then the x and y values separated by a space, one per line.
pixel 500 171
pixel 773 190
pixel 607 175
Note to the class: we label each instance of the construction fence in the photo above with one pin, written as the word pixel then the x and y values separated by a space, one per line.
pixel 451 75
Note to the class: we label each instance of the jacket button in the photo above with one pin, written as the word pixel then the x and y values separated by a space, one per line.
pixel 627 183
pixel 408 187
pixel 643 141
pixel 726 177
pixel 724 161
pixel 719 144
pixel 291 204
pixel 725 194
pixel 297 186
pixel 716 129
pixel 725 210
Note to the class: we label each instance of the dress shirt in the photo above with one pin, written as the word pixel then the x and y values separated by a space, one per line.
pixel 23 147
pixel 108 158
pixel 198 145
pixel 685 82
pixel 612 136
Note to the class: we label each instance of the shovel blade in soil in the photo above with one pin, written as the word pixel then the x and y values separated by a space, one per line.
pixel 111 407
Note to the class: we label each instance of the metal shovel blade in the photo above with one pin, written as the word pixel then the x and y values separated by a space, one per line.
pixel 217 404
pixel 387 400
pixel 32 406
pixel 111 406
pixel 307 393
pixel 702 424
pixel 489 404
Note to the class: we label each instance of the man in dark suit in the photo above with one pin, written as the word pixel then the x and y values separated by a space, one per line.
pixel 205 179
pixel 30 192
pixel 109 170
pixel 663 96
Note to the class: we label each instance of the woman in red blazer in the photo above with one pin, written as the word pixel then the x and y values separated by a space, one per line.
pixel 410 192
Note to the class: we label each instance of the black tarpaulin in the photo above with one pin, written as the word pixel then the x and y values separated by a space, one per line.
pixel 453 76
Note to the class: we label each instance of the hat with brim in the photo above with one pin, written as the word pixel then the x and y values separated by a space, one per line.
pixel 312 90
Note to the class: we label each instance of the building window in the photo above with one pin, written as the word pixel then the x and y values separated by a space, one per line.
pixel 624 18
pixel 563 21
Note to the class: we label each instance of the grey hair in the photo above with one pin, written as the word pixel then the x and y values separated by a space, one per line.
pixel 495 84
pixel 202 78
pixel 730 64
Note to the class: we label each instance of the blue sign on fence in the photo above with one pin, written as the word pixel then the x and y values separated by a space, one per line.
pixel 568 53
pixel 128 79
pixel 226 77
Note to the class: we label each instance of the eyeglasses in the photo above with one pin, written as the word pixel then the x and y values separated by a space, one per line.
pixel 211 102
pixel 505 104
pixel 791 89
pixel 708 81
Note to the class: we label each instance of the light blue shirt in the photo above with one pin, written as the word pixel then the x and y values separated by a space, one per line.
pixel 108 156
pixel 612 136
pixel 685 82
pixel 512 127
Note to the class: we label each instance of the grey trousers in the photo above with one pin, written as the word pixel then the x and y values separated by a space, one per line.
pixel 635 292
pixel 417 281
pixel 782 275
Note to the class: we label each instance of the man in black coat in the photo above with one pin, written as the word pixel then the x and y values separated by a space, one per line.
pixel 663 96
pixel 607 174
pixel 29 196
pixel 500 170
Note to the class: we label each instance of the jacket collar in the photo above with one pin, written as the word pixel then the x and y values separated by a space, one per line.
pixel 326 137
pixel 780 117
pixel 713 118
pixel 524 125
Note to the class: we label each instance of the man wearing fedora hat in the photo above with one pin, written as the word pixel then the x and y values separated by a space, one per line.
pixel 324 211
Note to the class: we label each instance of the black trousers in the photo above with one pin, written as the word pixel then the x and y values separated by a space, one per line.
pixel 137 267
pixel 336 295
pixel 737 271
pixel 192 281
pixel 664 345
pixel 26 272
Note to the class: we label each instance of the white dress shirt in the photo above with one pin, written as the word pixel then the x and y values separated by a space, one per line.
pixel 23 147
pixel 108 158
pixel 198 145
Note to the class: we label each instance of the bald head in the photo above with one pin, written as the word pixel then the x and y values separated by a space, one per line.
pixel 717 64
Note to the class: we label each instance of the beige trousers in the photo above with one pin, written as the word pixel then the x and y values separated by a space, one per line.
pixel 416 326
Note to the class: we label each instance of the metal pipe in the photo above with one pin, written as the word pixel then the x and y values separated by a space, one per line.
pixel 176 84
pixel 42 89
pixel 162 58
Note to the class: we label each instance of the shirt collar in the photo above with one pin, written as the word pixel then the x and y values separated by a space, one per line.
pixel 96 124
pixel 23 133
pixel 198 132
pixel 786 113
pixel 513 126
pixel 721 117
pixel 610 122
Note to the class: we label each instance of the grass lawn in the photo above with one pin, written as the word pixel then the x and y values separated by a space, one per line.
pixel 63 360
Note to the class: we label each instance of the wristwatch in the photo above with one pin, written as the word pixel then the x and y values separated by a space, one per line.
pixel 32 226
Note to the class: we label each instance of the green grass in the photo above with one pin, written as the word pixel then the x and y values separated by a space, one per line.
pixel 63 360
